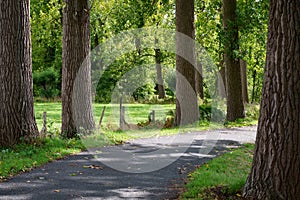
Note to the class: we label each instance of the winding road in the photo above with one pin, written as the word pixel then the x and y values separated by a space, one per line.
pixel 154 168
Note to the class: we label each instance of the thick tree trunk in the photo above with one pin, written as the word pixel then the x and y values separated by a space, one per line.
pixel 186 99
pixel 275 172
pixel 243 65
pixel 160 81
pixel 16 93
pixel 76 78
pixel 235 106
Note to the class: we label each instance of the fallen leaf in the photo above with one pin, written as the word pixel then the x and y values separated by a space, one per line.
pixel 92 166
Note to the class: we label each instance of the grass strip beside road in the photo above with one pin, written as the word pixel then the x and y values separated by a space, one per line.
pixel 24 157
pixel 221 178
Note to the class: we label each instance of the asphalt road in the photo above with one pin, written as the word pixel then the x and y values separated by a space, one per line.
pixel 153 168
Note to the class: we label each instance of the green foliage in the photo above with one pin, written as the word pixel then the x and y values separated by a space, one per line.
pixel 46 83
pixel 253 27
pixel 226 174
pixel 252 23
pixel 207 113
pixel 24 156
pixel 46 34
pixel 109 18
pixel 252 115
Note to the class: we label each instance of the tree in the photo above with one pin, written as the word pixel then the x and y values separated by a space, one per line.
pixel 46 37
pixel 186 102
pixel 76 99
pixel 243 65
pixel 199 80
pixel 160 80
pixel 16 99
pixel 235 106
pixel 275 169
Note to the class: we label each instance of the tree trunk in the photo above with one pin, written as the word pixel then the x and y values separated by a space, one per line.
pixel 222 81
pixel 16 92
pixel 160 81
pixel 199 81
pixel 243 65
pixel 235 106
pixel 76 78
pixel 275 173
pixel 253 85
pixel 186 99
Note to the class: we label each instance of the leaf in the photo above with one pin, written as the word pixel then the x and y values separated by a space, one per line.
pixel 93 166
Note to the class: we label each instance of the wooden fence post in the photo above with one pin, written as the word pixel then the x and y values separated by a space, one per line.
pixel 44 129
pixel 153 115
pixel 122 112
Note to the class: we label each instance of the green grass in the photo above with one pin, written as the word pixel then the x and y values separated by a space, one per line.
pixel 24 157
pixel 226 174
pixel 135 113
pixel 252 115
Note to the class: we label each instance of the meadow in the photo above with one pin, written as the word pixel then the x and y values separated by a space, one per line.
pixel 134 114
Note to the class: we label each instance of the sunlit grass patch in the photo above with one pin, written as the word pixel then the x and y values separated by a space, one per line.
pixel 23 157
pixel 225 175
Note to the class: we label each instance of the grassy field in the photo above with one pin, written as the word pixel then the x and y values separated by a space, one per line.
pixel 222 177
pixel 135 113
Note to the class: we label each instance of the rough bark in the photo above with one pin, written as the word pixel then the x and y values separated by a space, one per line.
pixel 186 99
pixel 76 69
pixel 16 93
pixel 275 173
pixel 243 65
pixel 160 81
pixel 235 106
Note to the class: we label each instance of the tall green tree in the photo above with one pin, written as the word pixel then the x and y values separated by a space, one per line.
pixel 16 99
pixel 275 169
pixel 186 99
pixel 235 106
pixel 76 69
pixel 46 29
pixel 46 34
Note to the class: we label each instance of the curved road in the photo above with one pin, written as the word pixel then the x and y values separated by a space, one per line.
pixel 160 168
